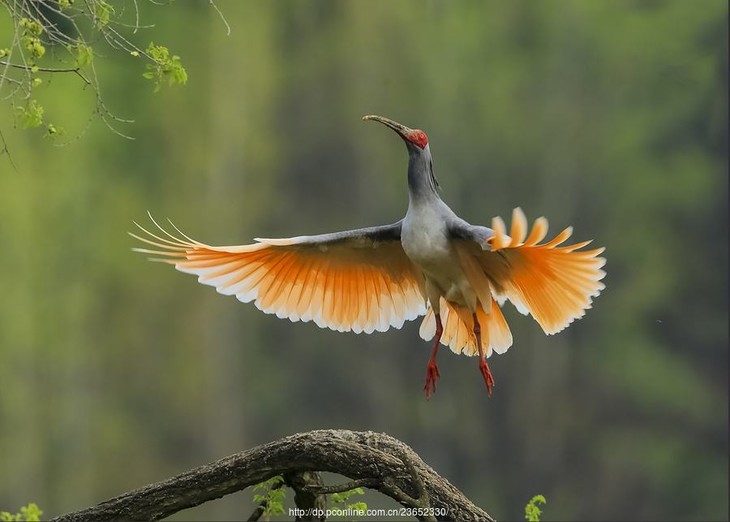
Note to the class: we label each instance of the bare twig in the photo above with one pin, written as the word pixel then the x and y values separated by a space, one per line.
pixel 220 13
pixel 6 151
pixel 347 486
pixel 27 67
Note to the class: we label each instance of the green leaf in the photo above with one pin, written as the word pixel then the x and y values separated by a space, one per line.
pixel 165 68
pixel 532 511
pixel 339 498
pixel 273 496
pixel 29 513
pixel 102 13
pixel 53 132
pixel 34 47
pixel 31 27
pixel 31 115
pixel 357 506
pixel 82 53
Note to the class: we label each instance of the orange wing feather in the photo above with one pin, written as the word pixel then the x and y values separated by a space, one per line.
pixel 555 284
pixel 343 283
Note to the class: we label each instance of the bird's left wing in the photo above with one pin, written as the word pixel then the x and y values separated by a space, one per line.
pixel 554 283
pixel 359 280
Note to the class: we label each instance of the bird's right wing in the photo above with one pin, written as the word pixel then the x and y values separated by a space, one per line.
pixel 359 280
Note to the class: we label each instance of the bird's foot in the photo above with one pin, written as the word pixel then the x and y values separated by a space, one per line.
pixel 432 375
pixel 487 374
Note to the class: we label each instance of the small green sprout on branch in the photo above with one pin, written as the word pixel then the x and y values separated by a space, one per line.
pixel 340 500
pixel 271 500
pixel 532 509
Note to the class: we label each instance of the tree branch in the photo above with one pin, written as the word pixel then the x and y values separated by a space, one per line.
pixel 302 483
pixel 373 459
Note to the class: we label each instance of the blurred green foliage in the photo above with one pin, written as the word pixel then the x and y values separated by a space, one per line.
pixel 608 115
pixel 29 513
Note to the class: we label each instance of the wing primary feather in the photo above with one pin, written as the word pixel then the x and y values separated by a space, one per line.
pixel 162 229
pixel 358 297
pixel 245 276
pixel 559 239
pixel 328 296
pixel 315 295
pixel 305 298
pixel 385 309
pixel 354 307
pixel 166 242
pixel 519 226
pixel 276 273
pixel 278 289
pixel 290 305
pixel 538 232
pixel 363 317
pixel 183 234
pixel 339 298
pixel 374 319
pixel 157 252
pixel 253 281
pixel 279 306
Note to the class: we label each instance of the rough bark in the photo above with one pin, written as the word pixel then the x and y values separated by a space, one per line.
pixel 374 460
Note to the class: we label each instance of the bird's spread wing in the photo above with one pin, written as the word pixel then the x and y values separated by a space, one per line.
pixel 359 280
pixel 555 284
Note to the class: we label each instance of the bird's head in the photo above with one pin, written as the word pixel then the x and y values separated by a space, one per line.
pixel 421 178
pixel 413 137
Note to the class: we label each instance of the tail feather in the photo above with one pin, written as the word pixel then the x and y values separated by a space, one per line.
pixel 458 332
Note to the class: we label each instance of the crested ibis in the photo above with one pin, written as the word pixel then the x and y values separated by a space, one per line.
pixel 430 263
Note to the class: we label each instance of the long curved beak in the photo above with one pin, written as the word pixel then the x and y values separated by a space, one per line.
pixel 402 130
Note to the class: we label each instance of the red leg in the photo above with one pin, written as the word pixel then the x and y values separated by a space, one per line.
pixel 483 366
pixel 432 370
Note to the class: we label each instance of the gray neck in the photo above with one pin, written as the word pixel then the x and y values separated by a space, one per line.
pixel 422 184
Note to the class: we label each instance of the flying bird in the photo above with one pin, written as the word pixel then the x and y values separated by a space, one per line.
pixel 431 263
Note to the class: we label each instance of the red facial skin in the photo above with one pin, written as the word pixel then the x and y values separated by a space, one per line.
pixel 418 138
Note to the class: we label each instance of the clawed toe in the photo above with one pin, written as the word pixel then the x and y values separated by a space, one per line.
pixel 432 375
pixel 487 374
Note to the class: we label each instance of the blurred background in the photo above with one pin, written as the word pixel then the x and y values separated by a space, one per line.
pixel 607 115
